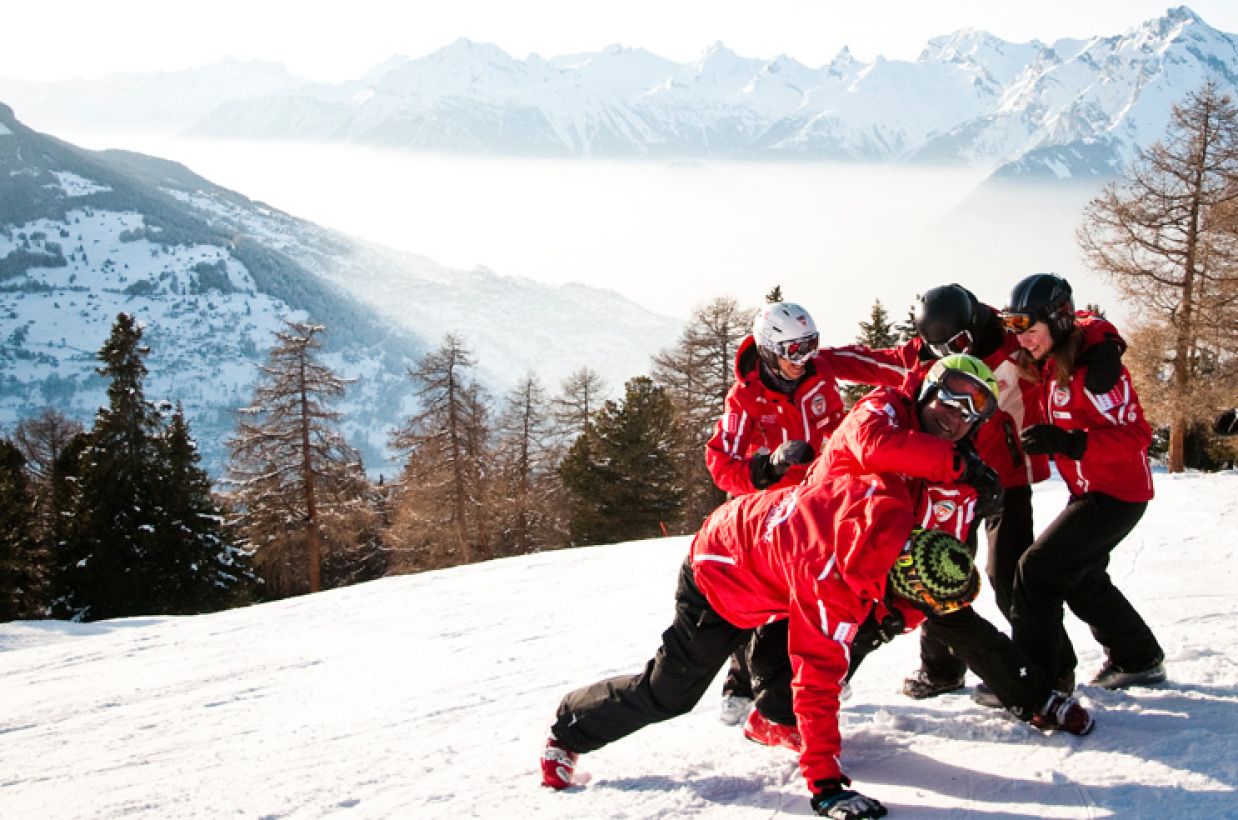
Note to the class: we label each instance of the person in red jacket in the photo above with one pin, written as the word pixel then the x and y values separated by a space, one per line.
pixel 813 555
pixel 1099 442
pixel 922 430
pixel 783 405
pixel 950 319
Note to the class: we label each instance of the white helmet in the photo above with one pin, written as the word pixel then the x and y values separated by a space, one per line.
pixel 784 330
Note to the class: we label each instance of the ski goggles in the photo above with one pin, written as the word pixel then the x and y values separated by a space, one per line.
pixel 967 394
pixel 958 343
pixel 797 351
pixel 1020 321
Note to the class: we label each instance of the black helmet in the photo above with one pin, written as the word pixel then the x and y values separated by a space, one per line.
pixel 946 319
pixel 1043 297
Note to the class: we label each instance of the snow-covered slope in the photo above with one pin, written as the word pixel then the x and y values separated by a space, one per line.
pixel 1073 107
pixel 430 696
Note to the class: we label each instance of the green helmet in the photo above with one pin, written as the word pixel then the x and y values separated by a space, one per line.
pixel 963 381
pixel 935 571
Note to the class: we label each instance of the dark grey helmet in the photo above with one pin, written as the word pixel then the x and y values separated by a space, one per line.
pixel 947 319
pixel 1045 297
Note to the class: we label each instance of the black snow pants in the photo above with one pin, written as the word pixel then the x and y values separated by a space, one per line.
pixel 694 648
pixel 1009 534
pixel 953 643
pixel 1068 564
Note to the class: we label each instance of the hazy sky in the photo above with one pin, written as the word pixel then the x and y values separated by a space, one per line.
pixel 341 40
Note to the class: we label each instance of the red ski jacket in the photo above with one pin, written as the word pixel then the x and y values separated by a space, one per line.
pixel 757 419
pixel 1115 461
pixel 882 434
pixel 1019 395
pixel 817 555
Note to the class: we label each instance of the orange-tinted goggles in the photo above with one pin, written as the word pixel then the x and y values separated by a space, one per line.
pixel 1020 321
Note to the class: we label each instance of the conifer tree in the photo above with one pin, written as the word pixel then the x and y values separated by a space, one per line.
pixel 877 333
pixel 204 570
pixel 906 329
pixel 528 493
pixel 65 489
pixel 22 560
pixel 441 516
pixel 622 473
pixel 290 465
pixel 109 560
pixel 697 373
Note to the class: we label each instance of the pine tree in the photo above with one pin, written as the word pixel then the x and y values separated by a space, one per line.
pixel 107 564
pixel 528 493
pixel 290 466
pixel 905 330
pixel 774 295
pixel 622 473
pixel 204 571
pixel 877 334
pixel 65 490
pixel 441 517
pixel 1166 235
pixel 23 592
pixel 697 373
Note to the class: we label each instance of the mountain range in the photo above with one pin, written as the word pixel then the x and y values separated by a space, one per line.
pixel 211 275
pixel 1070 108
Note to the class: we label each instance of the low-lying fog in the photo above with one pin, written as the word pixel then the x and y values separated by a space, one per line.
pixel 670 235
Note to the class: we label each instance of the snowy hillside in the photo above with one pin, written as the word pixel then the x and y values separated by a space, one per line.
pixel 211 275
pixel 430 696
pixel 1067 108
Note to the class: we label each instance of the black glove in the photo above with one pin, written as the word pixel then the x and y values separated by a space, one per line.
pixel 1226 424
pixel 873 633
pixel 979 476
pixel 767 469
pixel 1048 439
pixel 832 800
pixel 1104 364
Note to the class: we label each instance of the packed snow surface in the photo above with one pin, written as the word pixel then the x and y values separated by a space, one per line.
pixel 430 695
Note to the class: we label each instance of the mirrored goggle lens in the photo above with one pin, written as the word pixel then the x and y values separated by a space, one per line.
pixel 798 351
pixel 958 343
pixel 1018 321
pixel 969 395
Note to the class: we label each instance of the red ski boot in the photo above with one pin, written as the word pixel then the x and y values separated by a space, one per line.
pixel 760 729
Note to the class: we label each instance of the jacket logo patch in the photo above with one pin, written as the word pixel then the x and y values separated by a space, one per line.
pixel 730 423
pixel 944 510
pixel 1061 395
pixel 769 419
pixel 818 405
